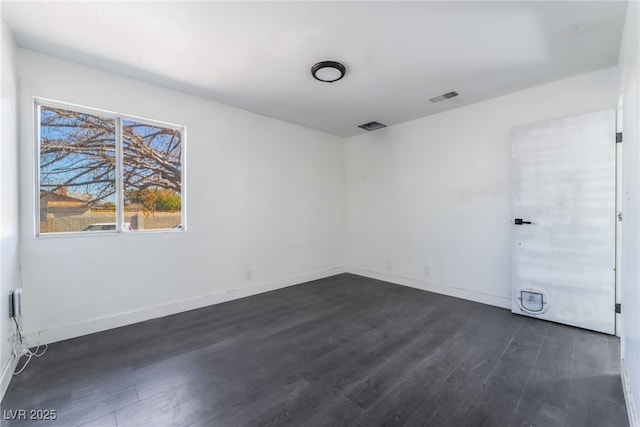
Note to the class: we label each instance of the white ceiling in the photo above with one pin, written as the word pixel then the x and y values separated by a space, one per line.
pixel 257 55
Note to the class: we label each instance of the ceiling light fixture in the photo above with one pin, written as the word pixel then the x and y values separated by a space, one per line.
pixel 328 71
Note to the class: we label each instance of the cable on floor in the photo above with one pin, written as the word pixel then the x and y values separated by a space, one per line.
pixel 21 348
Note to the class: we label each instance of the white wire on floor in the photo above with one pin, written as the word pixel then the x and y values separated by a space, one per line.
pixel 21 348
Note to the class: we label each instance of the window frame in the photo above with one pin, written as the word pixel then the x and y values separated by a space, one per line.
pixel 119 118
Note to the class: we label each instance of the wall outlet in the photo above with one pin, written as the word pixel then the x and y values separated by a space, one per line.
pixel 427 270
pixel 249 275
pixel 389 265
pixel 15 303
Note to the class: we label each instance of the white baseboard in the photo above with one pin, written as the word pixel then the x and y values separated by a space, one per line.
pixel 628 396
pixel 498 301
pixel 7 374
pixel 63 332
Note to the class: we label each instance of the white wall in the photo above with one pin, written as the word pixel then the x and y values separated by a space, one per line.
pixel 9 265
pixel 271 196
pixel 630 334
pixel 262 194
pixel 435 192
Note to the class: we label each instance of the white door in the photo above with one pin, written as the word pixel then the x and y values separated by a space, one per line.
pixel 563 190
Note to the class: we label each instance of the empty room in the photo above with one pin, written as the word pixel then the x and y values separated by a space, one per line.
pixel 316 213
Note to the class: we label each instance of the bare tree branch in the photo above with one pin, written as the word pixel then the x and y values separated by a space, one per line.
pixel 78 150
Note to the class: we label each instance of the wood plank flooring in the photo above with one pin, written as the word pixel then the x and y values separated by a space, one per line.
pixel 341 351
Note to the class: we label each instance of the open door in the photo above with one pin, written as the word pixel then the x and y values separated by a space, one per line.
pixel 563 199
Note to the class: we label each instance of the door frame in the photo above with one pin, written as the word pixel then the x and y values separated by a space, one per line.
pixel 619 198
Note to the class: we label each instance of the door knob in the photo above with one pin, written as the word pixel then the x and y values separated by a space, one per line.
pixel 519 221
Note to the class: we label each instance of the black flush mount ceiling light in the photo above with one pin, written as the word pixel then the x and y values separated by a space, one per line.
pixel 328 71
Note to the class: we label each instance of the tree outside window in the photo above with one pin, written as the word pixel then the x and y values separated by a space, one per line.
pixel 103 172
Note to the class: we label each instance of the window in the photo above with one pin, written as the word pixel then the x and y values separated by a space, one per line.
pixel 105 172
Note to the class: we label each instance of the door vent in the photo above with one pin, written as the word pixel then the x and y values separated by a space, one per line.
pixel 444 96
pixel 532 301
pixel 372 126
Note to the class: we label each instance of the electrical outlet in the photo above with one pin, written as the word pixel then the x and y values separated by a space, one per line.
pixel 249 275
pixel 15 303
pixel 389 265
pixel 427 270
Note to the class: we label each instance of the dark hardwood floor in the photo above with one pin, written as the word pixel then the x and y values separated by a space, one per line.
pixel 346 350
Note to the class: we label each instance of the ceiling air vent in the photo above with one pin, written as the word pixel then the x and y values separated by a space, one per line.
pixel 444 96
pixel 372 126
